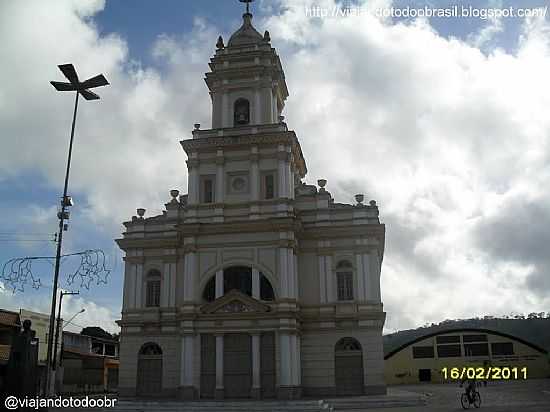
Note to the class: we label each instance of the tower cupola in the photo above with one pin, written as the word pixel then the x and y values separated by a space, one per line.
pixel 246 79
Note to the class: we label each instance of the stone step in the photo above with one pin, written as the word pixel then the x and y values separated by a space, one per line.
pixel 360 403
pixel 219 406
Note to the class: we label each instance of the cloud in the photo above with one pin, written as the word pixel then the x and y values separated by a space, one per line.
pixel 94 314
pixel 440 133
pixel 451 140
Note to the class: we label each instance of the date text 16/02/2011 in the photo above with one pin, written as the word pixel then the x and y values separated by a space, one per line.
pixel 484 373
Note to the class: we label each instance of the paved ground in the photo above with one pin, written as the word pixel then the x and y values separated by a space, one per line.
pixel 511 396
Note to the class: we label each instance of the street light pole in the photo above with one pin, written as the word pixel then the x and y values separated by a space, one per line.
pixel 81 88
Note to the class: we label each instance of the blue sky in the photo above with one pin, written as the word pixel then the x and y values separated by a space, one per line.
pixel 155 54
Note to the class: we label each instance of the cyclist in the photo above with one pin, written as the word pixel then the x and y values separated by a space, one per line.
pixel 470 388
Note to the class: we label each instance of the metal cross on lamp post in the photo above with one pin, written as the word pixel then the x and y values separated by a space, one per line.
pixel 81 88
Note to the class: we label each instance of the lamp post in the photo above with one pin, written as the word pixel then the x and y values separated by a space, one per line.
pixel 80 88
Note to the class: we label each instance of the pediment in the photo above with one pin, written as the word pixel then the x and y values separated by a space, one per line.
pixel 235 302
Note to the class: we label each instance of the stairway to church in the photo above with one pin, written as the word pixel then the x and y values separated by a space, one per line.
pixel 219 406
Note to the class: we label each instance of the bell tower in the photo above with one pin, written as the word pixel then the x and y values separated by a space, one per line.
pixel 246 79
pixel 248 158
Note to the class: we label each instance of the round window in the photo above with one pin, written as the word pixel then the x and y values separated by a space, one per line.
pixel 238 184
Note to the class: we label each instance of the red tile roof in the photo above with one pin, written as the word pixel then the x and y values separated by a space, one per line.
pixel 8 318
pixel 5 353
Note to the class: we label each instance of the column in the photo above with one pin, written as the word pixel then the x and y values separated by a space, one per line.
pixel 299 353
pixel 289 369
pixel 255 283
pixel 193 183
pixel 173 276
pixel 329 279
pixel 225 110
pixel 257 108
pixel 322 278
pixel 296 285
pixel 219 367
pixel 139 285
pixel 254 183
pixel 219 177
pixel 285 366
pixel 275 114
pixel 361 277
pixel 283 272
pixel 165 286
pixel 189 276
pixel 256 382
pixel 129 289
pixel 270 103
pixel 187 390
pixel 291 274
pixel 373 264
pixel 254 175
pixel 219 283
pixel 281 171
pixel 293 375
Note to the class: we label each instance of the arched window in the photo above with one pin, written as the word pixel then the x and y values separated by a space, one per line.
pixel 239 278
pixel 150 349
pixel 209 293
pixel 241 112
pixel 344 280
pixel 152 289
pixel 266 290
pixel 347 344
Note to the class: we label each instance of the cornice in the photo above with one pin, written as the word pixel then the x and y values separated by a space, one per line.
pixel 248 226
pixel 147 243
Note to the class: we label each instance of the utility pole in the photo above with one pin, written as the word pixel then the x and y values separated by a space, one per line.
pixel 58 326
pixel 81 88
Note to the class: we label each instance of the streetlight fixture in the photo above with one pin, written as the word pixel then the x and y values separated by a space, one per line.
pixel 63 343
pixel 74 316
pixel 81 88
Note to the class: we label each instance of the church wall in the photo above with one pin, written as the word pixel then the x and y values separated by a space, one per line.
pixel 318 353
pixel 130 346
pixel 308 278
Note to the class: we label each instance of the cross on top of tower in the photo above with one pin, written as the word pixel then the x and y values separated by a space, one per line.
pixel 247 5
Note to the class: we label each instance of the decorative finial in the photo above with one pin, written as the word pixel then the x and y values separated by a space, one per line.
pixel 322 183
pixel 247 5
pixel 219 43
pixel 359 199
pixel 267 37
pixel 174 193
pixel 140 212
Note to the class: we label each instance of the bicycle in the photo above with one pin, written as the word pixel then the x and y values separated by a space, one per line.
pixel 466 401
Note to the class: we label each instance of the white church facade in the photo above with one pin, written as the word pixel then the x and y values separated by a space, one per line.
pixel 254 284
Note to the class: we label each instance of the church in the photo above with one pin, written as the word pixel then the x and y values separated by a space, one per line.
pixel 254 284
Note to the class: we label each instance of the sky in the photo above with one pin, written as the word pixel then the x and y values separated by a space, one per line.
pixel 444 121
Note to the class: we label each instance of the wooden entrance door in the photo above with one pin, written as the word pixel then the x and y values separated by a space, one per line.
pixel 348 367
pixel 208 365
pixel 149 370
pixel 267 364
pixel 237 365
